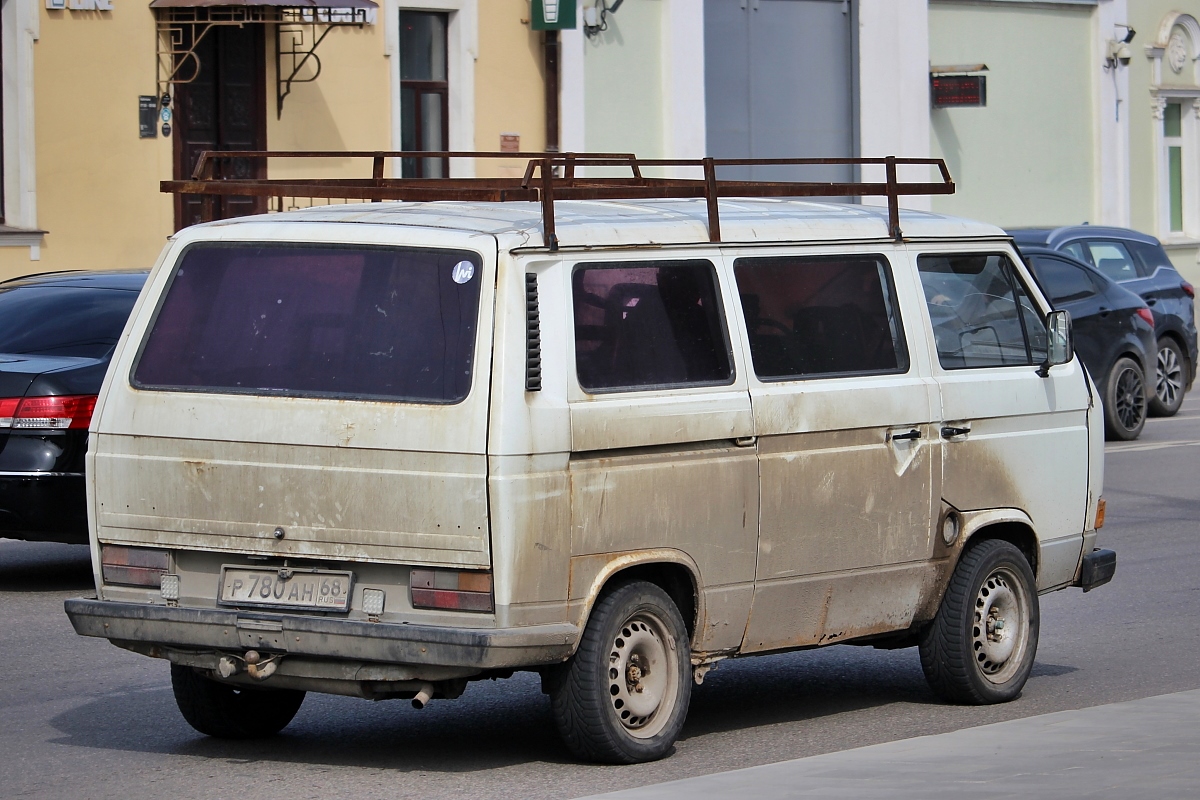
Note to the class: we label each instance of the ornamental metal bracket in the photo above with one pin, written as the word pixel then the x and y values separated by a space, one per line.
pixel 296 43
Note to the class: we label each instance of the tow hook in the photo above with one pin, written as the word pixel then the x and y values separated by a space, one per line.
pixel 255 665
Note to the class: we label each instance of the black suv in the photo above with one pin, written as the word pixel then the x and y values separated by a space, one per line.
pixel 1139 263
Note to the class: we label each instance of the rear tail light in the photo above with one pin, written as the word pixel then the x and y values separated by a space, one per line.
pixel 133 566
pixel 451 589
pixel 59 413
pixel 1146 315
pixel 1188 289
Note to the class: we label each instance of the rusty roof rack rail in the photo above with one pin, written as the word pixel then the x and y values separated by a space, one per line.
pixel 552 176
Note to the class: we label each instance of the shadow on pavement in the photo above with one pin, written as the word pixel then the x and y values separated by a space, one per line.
pixel 44 567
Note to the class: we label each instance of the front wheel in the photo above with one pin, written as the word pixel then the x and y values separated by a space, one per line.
pixel 1125 400
pixel 980 647
pixel 623 696
pixel 232 712
pixel 1170 379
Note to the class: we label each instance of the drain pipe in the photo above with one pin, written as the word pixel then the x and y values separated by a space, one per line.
pixel 550 51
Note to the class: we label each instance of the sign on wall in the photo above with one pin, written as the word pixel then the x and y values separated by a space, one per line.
pixel 552 15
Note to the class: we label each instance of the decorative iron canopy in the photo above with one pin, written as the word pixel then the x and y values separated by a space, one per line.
pixel 301 26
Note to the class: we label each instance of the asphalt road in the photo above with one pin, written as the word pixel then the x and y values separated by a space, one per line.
pixel 81 718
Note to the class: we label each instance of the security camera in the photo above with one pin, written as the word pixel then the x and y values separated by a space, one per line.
pixel 1118 53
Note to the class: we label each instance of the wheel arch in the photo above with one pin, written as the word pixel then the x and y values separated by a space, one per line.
pixel 671 570
pixel 1008 524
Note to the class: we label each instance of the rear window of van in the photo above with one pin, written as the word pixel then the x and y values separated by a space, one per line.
pixel 354 322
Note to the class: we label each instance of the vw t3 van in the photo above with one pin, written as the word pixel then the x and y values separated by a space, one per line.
pixel 386 449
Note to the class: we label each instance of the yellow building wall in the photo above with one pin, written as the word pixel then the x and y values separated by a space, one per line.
pixel 97 182
pixel 346 108
pixel 509 85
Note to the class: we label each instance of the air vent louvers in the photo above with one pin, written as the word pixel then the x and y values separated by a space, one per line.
pixel 533 336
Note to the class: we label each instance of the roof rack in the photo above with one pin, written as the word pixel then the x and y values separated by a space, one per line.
pixel 550 177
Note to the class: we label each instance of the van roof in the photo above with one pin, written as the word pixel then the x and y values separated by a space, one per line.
pixel 598 223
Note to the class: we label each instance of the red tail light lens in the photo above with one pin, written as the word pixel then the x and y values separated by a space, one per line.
pixel 451 589
pixel 133 566
pixel 1188 288
pixel 60 413
pixel 8 410
pixel 1147 315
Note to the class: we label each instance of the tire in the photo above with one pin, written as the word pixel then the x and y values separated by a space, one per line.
pixel 1125 400
pixel 1171 379
pixel 966 662
pixel 606 708
pixel 232 712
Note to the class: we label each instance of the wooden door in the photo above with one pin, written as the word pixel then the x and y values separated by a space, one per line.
pixel 223 108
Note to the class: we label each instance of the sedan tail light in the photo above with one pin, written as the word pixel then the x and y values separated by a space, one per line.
pixel 1188 289
pixel 59 413
pixel 1146 315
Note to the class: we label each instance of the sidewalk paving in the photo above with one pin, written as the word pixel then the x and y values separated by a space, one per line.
pixel 1143 748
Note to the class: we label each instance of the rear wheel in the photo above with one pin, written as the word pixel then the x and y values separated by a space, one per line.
pixel 232 712
pixel 1125 400
pixel 1170 379
pixel 980 647
pixel 623 696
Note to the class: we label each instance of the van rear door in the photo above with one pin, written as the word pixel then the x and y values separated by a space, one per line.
pixel 304 399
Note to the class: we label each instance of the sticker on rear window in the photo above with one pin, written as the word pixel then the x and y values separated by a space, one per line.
pixel 463 272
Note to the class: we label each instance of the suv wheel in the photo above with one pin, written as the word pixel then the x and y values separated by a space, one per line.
pixel 623 696
pixel 1170 380
pixel 981 645
pixel 1125 400
pixel 232 712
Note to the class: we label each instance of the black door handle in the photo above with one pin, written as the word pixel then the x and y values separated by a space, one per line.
pixel 1104 311
pixel 949 432
pixel 1151 301
pixel 910 436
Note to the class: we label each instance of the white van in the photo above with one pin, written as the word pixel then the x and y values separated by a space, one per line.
pixel 383 450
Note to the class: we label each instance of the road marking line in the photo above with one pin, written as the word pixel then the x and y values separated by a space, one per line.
pixel 1149 446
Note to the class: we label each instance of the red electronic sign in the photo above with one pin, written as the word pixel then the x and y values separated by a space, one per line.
pixel 958 90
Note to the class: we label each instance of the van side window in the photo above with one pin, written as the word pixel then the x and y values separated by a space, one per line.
pixel 981 312
pixel 649 323
pixel 820 315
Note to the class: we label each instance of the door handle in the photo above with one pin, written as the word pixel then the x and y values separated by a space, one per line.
pixel 746 441
pixel 951 432
pixel 1104 311
pixel 912 435
pixel 1151 301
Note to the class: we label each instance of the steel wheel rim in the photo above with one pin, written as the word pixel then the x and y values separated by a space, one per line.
pixel 1130 399
pixel 643 684
pixel 1000 629
pixel 1169 380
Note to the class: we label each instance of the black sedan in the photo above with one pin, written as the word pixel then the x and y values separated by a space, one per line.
pixel 1114 334
pixel 57 333
pixel 1139 263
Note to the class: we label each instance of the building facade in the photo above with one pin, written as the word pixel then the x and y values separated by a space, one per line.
pixel 1092 110
pixel 81 78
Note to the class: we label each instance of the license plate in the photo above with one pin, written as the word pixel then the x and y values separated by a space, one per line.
pixel 315 590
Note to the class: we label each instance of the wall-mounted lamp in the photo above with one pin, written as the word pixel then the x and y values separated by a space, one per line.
pixel 1118 53
pixel 595 17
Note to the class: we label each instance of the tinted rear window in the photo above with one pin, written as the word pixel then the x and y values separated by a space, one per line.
pixel 365 322
pixel 62 321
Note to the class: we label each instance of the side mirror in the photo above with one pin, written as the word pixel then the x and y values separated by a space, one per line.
pixel 1060 343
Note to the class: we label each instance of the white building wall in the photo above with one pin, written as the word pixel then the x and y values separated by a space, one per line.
pixel 893 81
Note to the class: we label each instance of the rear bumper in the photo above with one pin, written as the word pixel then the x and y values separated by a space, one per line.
pixel 323 637
pixel 1097 569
